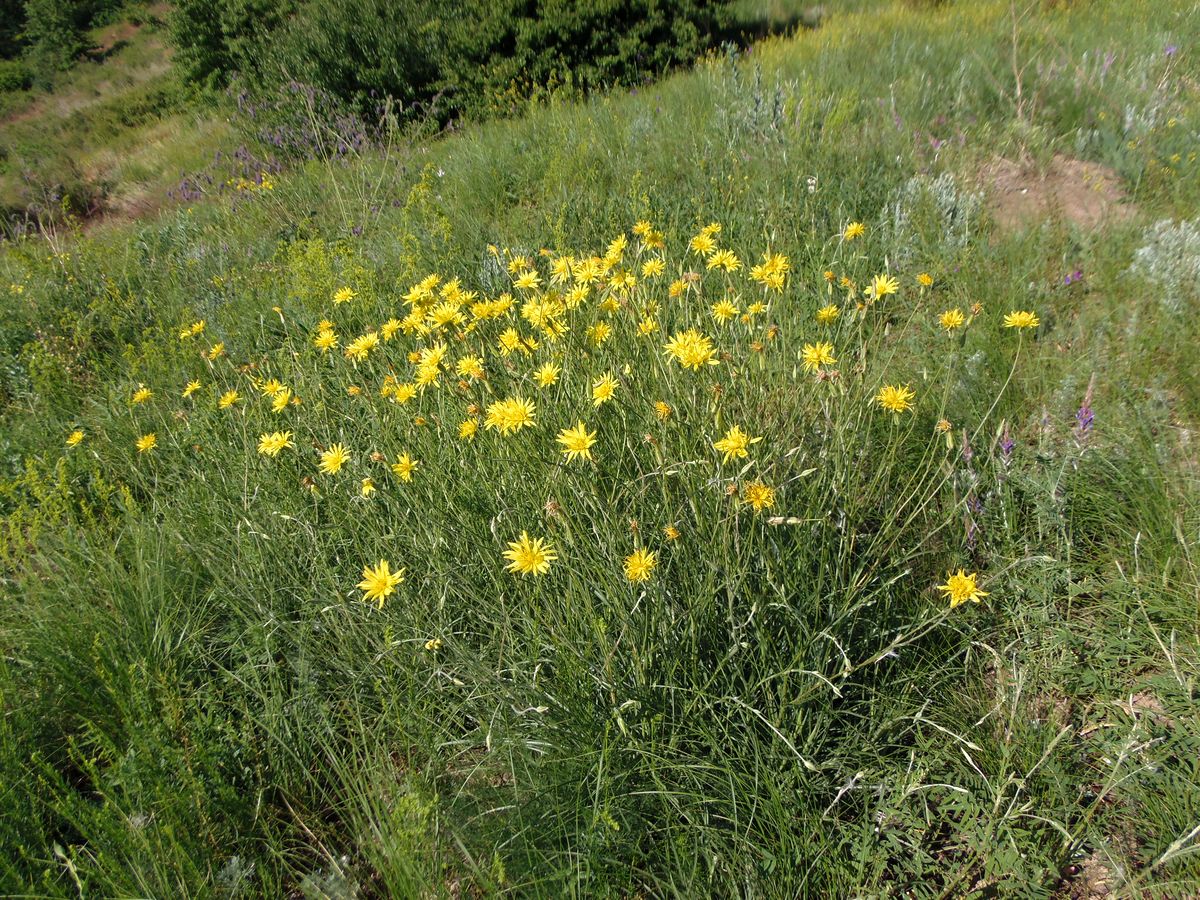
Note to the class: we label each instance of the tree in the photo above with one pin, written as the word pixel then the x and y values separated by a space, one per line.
pixel 54 34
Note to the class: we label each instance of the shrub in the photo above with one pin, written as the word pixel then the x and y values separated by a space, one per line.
pixel 14 76
pixel 360 50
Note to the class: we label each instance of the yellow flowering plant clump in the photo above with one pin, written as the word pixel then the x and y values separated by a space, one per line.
pixel 660 352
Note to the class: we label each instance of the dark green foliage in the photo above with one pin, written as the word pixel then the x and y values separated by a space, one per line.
pixel 479 59
pixel 14 76
pixel 54 33
pixel 12 20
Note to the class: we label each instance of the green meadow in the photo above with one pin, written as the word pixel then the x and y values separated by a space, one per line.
pixel 786 475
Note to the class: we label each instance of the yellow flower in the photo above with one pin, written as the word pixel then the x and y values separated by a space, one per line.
pixel 228 399
pixel 358 348
pixel 652 267
pixel 142 394
pixel 639 564
pixel 924 279
pixel 433 644
pixel 961 587
pixel 662 410
pixel 1021 320
pixel 467 429
pixel 282 398
pixel 758 495
pixel 599 333
pixel 402 393
pixel 389 328
pixel 146 442
pixel 334 458
pixel 216 350
pixel 671 532
pixel 895 398
pixel 270 444
pixel 367 488
pixel 470 367
pixel 816 355
pixel 528 280
pixel 882 285
pixel 75 438
pixel 734 444
pixel 724 259
pixel 343 295
pixel 577 442
pixel 603 389
pixel 404 466
pixel 529 556
pixel 380 582
pixel 826 315
pixel 724 310
pixel 546 375
pixel 702 244
pixel 509 415
pixel 325 340
pixel 190 388
pixel 647 327
pixel 691 349
pixel 952 319
pixel 854 230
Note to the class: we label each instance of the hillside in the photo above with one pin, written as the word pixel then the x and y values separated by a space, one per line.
pixel 777 480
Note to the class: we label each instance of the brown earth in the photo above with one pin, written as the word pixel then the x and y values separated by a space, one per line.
pixel 1083 194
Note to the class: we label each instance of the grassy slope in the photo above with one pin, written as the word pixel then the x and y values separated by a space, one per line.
pixel 113 130
pixel 192 701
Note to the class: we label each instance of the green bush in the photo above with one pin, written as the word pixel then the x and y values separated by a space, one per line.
pixel 14 76
pixel 477 60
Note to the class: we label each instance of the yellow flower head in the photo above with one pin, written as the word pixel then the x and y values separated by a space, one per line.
pixel 827 315
pixel 380 582
pixel 882 285
pixel 1022 319
pixel 75 438
pixel 577 442
pixel 704 244
pixel 854 230
pixel 190 388
pixel 546 375
pixel 228 399
pixel 142 394
pixel 735 443
pixel 671 532
pixel 529 556
pixel 334 458
pixel 343 295
pixel 925 279
pixel 404 466
pixel 662 410
pixel 724 310
pixel 639 564
pixel 325 340
pixel 691 349
pixel 510 415
pixel 146 442
pixel 952 319
pixel 603 389
pixel 961 587
pixel 724 259
pixel 758 495
pixel 816 355
pixel 467 429
pixel 528 280
pixel 895 398
pixel 271 444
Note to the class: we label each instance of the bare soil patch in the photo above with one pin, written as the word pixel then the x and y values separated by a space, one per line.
pixel 1084 194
